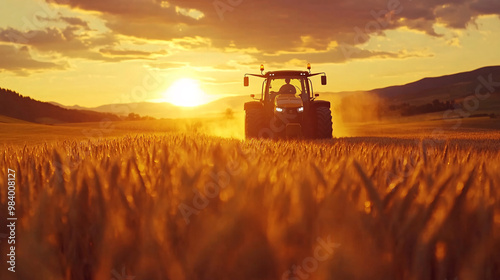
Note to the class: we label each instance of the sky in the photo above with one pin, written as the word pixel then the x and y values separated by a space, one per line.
pixel 95 52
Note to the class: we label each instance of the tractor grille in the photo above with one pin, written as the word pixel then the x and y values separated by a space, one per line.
pixel 292 115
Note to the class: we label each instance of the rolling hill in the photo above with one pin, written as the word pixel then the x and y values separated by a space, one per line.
pixel 428 95
pixel 455 85
pixel 5 119
pixel 14 106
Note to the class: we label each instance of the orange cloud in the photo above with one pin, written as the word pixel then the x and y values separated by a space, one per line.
pixel 70 42
pixel 276 31
pixel 19 61
pixel 273 26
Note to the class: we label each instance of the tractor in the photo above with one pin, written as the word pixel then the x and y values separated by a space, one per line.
pixel 287 107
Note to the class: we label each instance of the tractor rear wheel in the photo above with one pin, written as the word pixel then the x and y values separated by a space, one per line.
pixel 324 123
pixel 254 122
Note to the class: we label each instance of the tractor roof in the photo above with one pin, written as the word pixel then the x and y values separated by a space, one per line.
pixel 287 73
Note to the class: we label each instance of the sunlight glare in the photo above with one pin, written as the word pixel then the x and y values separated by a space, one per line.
pixel 186 93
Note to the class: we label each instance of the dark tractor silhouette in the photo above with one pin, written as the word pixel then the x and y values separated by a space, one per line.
pixel 287 107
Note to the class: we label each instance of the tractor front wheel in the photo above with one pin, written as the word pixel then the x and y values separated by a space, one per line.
pixel 254 122
pixel 324 123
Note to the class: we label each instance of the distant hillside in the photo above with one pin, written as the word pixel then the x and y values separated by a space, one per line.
pixel 14 105
pixel 452 86
pixel 167 110
pixel 428 95
pixel 5 119
pixel 445 93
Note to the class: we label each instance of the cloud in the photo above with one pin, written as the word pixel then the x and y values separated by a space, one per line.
pixel 193 13
pixel 152 10
pixel 70 42
pixel 455 16
pixel 48 39
pixel 19 61
pixel 339 54
pixel 74 21
pixel 135 53
pixel 276 31
pixel 487 7
pixel 63 41
pixel 280 25
pixel 132 54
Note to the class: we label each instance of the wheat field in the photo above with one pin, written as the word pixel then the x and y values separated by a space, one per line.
pixel 186 206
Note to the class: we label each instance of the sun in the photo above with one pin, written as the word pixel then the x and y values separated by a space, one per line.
pixel 186 93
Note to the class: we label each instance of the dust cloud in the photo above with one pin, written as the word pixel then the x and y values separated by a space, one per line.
pixel 352 109
pixel 223 126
